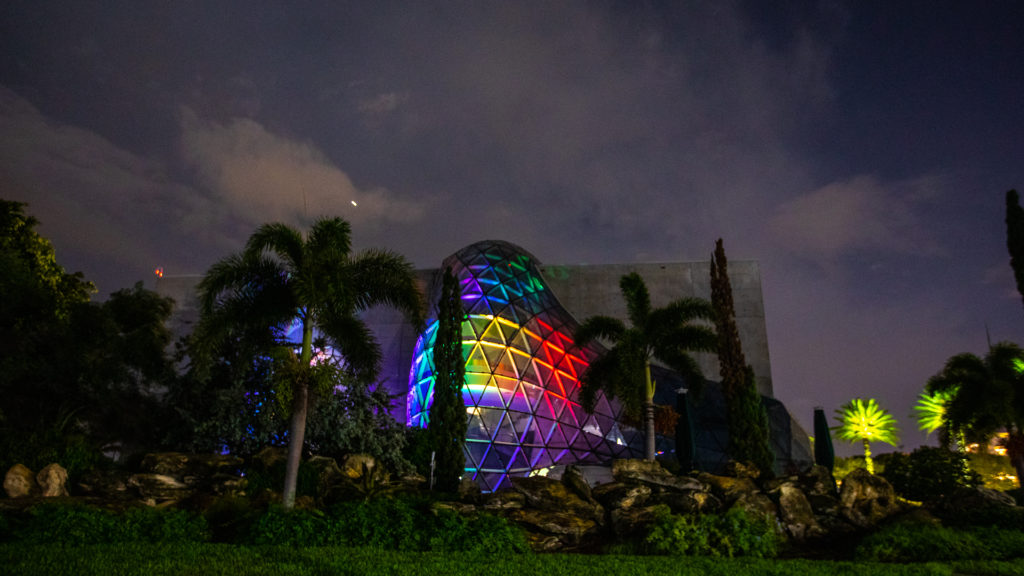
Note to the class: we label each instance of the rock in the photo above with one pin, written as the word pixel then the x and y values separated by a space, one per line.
pixel 53 479
pixel 547 494
pixel 328 474
pixel 193 469
pixel 742 470
pixel 165 463
pixel 692 502
pixel 105 483
pixel 570 528
pixel 356 465
pixel 503 500
pixel 866 499
pixel 457 507
pixel 649 472
pixel 269 457
pixel 20 482
pixel 573 479
pixel 159 487
pixel 631 521
pixel 728 488
pixel 818 481
pixel 795 513
pixel 616 495
pixel 469 490
pixel 756 504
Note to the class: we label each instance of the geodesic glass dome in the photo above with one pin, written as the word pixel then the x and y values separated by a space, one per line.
pixel 522 373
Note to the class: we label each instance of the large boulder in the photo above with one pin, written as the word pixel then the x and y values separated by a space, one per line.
pixel 192 469
pixel 20 482
pixel 53 479
pixel 652 473
pixel 569 528
pixel 632 521
pixel 547 494
pixel 795 512
pixel 159 488
pixel 866 499
pixel 728 488
pixel 621 495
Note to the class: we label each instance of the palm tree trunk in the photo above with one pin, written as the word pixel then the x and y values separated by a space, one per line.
pixel 648 415
pixel 297 429
pixel 868 462
pixel 1015 451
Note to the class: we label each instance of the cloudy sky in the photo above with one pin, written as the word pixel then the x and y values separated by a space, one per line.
pixel 859 150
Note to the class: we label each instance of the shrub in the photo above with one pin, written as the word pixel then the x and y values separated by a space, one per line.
pixel 79 525
pixel 907 542
pixel 734 533
pixel 929 473
pixel 290 528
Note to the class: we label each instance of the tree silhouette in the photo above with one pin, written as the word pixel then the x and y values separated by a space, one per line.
pixel 282 276
pixel 667 334
pixel 448 422
pixel 748 421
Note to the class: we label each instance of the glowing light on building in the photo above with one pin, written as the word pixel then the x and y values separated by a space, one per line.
pixel 522 373
pixel 159 272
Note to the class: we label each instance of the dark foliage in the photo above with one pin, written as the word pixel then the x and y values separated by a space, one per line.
pixel 74 375
pixel 1015 237
pixel 447 428
pixel 748 421
pixel 929 473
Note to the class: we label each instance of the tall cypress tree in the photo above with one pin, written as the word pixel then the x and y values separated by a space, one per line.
pixel 1015 237
pixel 447 428
pixel 748 421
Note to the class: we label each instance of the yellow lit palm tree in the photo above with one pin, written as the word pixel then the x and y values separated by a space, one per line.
pixel 931 413
pixel 868 422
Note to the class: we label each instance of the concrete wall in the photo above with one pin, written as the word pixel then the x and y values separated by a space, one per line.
pixel 588 290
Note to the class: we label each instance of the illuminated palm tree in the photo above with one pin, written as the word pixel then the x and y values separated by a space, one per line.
pixel 931 415
pixel 987 396
pixel 867 422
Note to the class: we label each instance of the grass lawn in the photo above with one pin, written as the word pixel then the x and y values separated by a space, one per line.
pixel 230 560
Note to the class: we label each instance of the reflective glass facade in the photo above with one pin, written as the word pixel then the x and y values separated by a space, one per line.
pixel 522 373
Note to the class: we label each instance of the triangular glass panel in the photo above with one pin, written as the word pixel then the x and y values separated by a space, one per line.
pixel 534 394
pixel 493 333
pixel 557 404
pixel 519 463
pixel 531 435
pixel 493 462
pixel 475 452
pixel 491 420
pixel 505 432
pixel 518 401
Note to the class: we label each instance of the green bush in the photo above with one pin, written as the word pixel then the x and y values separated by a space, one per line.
pixel 929 473
pixel 389 524
pixel 734 533
pixel 907 542
pixel 77 525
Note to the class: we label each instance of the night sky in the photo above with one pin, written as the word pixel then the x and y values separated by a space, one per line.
pixel 860 150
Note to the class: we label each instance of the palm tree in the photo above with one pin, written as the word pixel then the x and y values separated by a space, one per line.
pixel 666 334
pixel 867 422
pixel 987 396
pixel 282 276
pixel 930 412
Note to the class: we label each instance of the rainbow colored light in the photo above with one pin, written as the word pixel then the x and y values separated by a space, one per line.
pixel 522 373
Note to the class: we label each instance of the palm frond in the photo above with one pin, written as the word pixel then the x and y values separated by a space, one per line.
pixel 280 239
pixel 860 420
pixel 385 278
pixel 330 235
pixel 638 299
pixel 930 409
pixel 354 340
pixel 599 328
